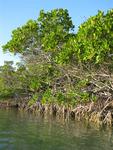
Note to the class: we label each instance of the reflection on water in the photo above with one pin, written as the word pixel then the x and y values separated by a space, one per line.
pixel 22 131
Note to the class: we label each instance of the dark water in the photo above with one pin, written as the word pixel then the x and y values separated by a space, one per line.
pixel 22 131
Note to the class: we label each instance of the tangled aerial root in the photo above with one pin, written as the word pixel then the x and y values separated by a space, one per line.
pixel 92 112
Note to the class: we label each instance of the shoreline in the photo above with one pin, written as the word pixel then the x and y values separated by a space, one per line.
pixel 89 112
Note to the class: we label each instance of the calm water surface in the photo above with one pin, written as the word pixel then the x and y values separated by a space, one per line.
pixel 22 131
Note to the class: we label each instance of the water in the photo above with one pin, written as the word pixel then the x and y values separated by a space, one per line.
pixel 23 131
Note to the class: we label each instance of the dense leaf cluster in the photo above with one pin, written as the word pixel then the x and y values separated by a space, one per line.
pixel 57 64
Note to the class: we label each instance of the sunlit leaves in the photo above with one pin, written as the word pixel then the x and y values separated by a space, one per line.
pixel 94 38
pixel 23 38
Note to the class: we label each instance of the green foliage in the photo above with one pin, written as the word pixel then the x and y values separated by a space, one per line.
pixel 47 96
pixel 94 38
pixel 55 27
pixel 50 31
pixel 60 97
pixel 75 97
pixel 93 42
pixel 33 100
pixel 67 54
pixel 57 63
pixel 23 38
pixel 7 79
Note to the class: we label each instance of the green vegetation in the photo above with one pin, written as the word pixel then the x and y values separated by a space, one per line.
pixel 57 64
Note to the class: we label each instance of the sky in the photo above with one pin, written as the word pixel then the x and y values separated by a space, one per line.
pixel 14 13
